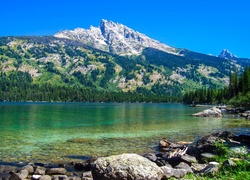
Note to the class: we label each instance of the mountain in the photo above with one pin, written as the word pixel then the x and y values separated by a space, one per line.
pixel 65 62
pixel 74 65
pixel 242 62
pixel 227 55
pixel 115 38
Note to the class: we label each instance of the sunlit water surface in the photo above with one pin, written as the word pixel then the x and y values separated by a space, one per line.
pixel 64 132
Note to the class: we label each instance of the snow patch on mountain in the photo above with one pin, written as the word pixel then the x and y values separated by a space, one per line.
pixel 115 38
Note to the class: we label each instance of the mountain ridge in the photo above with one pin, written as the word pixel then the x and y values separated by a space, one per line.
pixel 227 54
pixel 70 62
pixel 115 38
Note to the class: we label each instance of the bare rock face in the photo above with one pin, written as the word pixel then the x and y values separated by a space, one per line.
pixel 125 166
pixel 115 38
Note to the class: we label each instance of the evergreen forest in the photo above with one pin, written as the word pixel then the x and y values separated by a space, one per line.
pixel 237 93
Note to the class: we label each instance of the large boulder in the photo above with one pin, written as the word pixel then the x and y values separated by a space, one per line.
pixel 213 112
pixel 125 166
pixel 207 143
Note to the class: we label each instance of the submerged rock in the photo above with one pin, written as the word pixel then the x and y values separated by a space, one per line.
pixel 125 166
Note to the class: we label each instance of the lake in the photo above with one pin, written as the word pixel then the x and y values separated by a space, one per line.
pixel 65 132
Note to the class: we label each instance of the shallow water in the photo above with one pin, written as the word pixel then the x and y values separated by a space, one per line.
pixel 64 132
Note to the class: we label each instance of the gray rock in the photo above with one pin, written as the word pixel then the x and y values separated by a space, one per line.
pixel 125 166
pixel 60 177
pixel 169 172
pixel 206 143
pixel 86 178
pixel 14 176
pixel 213 112
pixel 198 167
pixel 23 174
pixel 207 155
pixel 244 115
pixel 152 157
pixel 74 178
pixel 29 168
pixel 55 171
pixel 39 170
pixel 211 169
pixel 185 166
pixel 189 159
pixel 45 177
pixel 87 174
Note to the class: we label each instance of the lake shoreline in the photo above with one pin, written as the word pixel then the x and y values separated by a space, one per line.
pixel 192 153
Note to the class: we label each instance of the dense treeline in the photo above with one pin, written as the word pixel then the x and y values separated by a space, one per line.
pixel 239 89
pixel 19 86
pixel 236 94
pixel 206 96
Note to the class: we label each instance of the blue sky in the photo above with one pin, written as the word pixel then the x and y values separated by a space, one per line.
pixel 205 26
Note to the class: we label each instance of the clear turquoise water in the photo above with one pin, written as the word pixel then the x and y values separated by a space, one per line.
pixel 63 132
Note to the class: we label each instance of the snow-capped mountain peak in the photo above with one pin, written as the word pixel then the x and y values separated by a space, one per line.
pixel 114 37
pixel 226 54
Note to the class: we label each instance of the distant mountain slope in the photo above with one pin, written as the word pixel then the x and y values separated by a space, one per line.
pixel 65 62
pixel 242 62
pixel 226 54
pixel 115 38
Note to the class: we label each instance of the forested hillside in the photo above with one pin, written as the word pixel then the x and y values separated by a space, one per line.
pixel 55 69
pixel 237 93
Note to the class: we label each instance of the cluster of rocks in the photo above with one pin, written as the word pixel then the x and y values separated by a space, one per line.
pixel 172 160
pixel 212 112
pixel 39 171
pixel 216 112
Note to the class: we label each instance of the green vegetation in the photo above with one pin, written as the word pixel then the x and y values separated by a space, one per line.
pixel 236 94
pixel 240 158
pixel 237 171
pixel 61 66
pixel 239 89
pixel 19 86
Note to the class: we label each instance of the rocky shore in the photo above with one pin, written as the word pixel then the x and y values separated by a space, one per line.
pixel 171 160
pixel 217 112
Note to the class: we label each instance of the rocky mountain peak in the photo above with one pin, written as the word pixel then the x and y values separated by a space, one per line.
pixel 115 38
pixel 226 54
